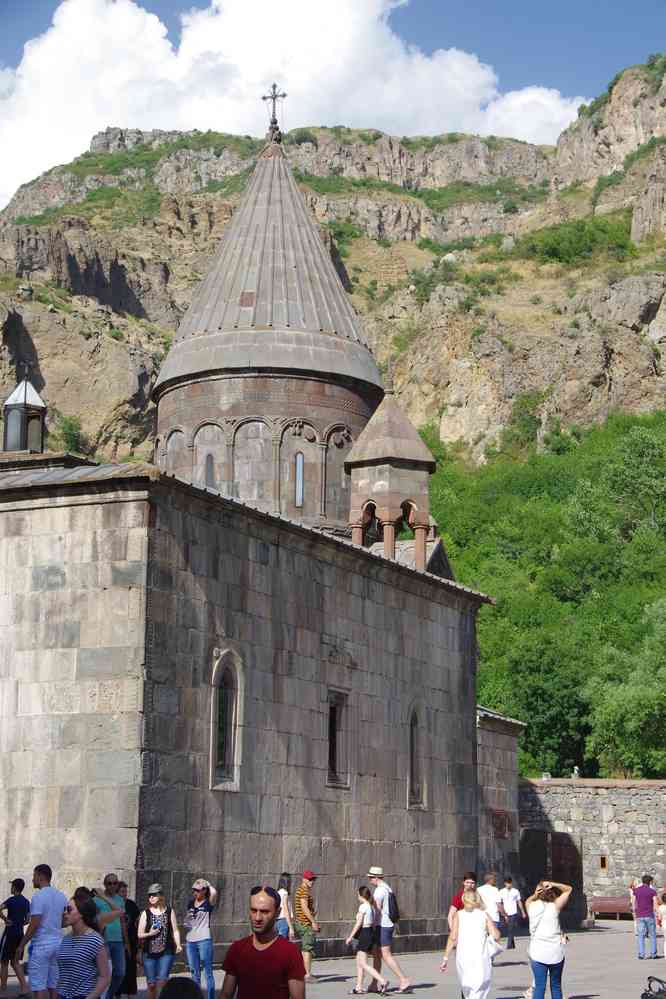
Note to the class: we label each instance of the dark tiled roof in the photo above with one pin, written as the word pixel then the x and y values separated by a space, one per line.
pixel 272 297
pixel 51 478
pixel 389 436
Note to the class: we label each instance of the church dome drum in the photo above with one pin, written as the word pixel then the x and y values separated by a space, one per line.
pixel 269 380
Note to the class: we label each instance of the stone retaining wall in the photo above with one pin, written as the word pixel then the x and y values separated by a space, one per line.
pixel 618 827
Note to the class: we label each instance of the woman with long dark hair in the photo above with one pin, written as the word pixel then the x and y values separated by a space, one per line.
pixel 83 962
pixel 364 932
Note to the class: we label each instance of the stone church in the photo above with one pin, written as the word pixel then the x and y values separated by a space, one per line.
pixel 227 663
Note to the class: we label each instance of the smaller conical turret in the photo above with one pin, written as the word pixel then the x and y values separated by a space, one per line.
pixel 24 419
pixel 390 467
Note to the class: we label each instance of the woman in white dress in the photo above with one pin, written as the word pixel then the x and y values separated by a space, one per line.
pixel 471 933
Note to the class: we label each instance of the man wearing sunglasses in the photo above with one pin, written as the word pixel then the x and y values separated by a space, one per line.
pixel 115 933
pixel 263 965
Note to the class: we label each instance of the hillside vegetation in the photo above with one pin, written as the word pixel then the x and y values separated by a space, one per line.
pixel 572 543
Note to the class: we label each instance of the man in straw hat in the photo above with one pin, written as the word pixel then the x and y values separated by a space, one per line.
pixel 385 928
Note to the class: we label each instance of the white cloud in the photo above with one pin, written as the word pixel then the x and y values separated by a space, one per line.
pixel 109 62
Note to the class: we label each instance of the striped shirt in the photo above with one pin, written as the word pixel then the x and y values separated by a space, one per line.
pixel 302 894
pixel 77 964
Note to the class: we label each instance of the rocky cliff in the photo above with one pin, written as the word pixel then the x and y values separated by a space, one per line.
pixel 98 259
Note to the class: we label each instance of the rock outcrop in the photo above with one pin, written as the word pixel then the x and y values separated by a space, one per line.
pixel 596 144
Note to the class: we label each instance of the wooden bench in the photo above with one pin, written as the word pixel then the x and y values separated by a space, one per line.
pixel 609 905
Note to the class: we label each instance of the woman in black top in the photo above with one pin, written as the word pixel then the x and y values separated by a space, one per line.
pixel 160 939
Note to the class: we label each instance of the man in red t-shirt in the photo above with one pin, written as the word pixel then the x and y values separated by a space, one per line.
pixel 264 964
pixel 469 884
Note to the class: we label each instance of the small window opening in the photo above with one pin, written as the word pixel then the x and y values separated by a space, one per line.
pixel 338 770
pixel 603 862
pixel 299 479
pixel 415 778
pixel 210 471
pixel 226 727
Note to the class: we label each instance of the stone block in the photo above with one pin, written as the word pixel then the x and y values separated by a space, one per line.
pixel 114 767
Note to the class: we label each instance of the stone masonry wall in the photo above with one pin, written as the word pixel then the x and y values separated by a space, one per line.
pixel 621 821
pixel 72 613
pixel 303 615
pixel 498 797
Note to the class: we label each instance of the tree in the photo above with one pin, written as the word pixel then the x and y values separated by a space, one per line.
pixel 636 478
pixel 627 697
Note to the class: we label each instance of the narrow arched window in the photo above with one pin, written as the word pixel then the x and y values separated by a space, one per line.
pixel 415 775
pixel 210 472
pixel 226 727
pixel 299 470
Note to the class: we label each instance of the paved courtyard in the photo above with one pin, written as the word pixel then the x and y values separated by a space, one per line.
pixel 600 964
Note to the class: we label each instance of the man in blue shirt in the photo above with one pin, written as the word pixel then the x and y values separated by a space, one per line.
pixel 115 933
pixel 17 908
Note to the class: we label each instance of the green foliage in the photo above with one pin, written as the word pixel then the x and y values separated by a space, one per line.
pixel 615 178
pixel 348 135
pixel 410 331
pixel 121 206
pixel 627 695
pixel 425 281
pixel 343 233
pixel 580 240
pixel 439 249
pixel 299 136
pixel 233 184
pixel 572 543
pixel 521 431
pixel 421 143
pixel 655 69
pixel 146 158
pixel 439 199
pixel 67 435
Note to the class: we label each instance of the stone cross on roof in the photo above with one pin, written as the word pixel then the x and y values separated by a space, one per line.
pixel 274 96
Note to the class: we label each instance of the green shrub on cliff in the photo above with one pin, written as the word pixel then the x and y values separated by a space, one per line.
pixel 572 543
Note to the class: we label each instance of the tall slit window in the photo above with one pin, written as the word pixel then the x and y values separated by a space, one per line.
pixel 226 727
pixel 338 764
pixel 210 471
pixel 415 775
pixel 299 484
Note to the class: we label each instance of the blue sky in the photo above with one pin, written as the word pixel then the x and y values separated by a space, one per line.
pixel 573 45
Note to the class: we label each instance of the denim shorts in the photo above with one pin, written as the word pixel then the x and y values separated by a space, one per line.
pixel 282 926
pixel 157 969
pixel 386 935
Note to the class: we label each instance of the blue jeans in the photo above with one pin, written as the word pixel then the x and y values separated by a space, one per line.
pixel 646 926
pixel 282 926
pixel 540 972
pixel 201 953
pixel 116 952
pixel 157 969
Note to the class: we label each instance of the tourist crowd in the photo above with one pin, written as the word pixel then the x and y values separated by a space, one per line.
pixel 109 935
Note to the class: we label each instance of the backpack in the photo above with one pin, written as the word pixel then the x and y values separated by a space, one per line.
pixel 656 988
pixel 393 909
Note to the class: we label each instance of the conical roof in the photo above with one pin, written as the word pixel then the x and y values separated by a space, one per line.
pixel 390 436
pixel 25 394
pixel 272 298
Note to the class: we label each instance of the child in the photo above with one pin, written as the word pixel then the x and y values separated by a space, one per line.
pixel 18 913
pixel 364 932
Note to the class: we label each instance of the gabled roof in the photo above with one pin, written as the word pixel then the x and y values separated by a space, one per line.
pixel 25 394
pixel 272 297
pixel 390 436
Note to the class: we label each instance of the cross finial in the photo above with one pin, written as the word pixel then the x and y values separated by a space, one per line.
pixel 274 96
